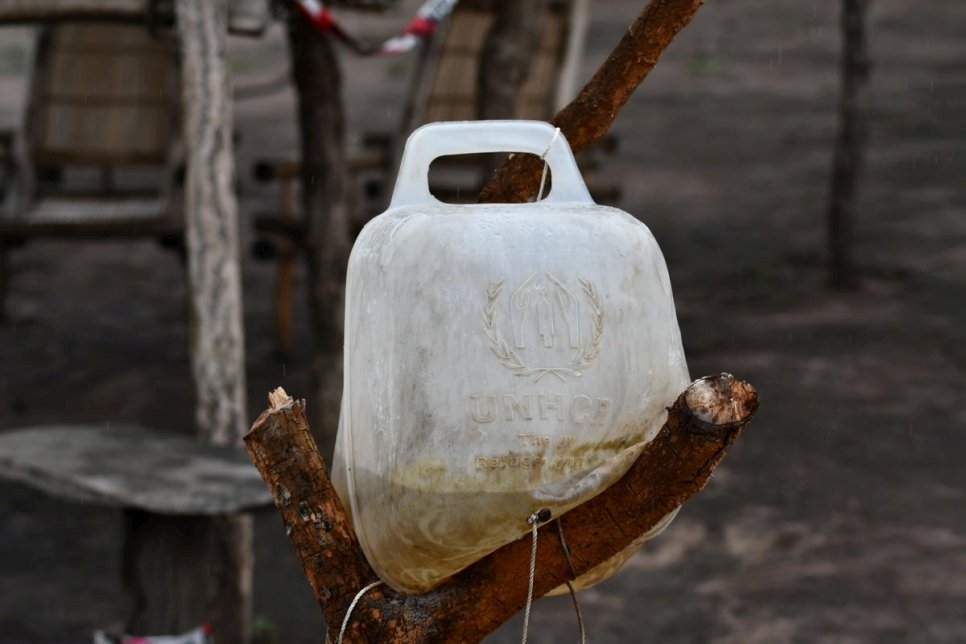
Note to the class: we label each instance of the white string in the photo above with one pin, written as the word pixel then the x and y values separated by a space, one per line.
pixel 570 586
pixel 348 613
pixel 534 520
pixel 543 177
pixel 580 617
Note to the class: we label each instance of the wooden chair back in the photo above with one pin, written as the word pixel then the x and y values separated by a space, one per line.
pixel 103 95
pixel 447 88
pixel 446 83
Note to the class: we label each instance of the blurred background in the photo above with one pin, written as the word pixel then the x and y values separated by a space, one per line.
pixel 838 517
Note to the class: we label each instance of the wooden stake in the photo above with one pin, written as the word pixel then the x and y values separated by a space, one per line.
pixel 318 83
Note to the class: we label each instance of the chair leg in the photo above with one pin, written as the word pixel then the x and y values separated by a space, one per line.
pixel 283 306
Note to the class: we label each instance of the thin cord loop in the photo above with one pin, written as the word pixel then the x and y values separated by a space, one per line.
pixel 566 549
pixel 580 617
pixel 534 521
pixel 543 157
pixel 348 613
pixel 570 586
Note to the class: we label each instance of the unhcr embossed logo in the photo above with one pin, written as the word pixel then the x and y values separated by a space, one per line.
pixel 552 331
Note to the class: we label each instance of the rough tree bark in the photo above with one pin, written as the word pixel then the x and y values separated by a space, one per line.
pixel 850 144
pixel 211 220
pixel 182 571
pixel 701 425
pixel 226 560
pixel 590 115
pixel 315 70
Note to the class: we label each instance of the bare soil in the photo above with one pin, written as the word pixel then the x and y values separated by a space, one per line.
pixel 839 515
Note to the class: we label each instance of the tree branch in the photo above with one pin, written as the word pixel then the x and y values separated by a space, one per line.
pixel 701 425
pixel 589 116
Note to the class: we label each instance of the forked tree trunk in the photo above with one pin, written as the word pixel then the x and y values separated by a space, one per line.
pixel 318 82
pixel 850 144
pixel 701 426
pixel 182 571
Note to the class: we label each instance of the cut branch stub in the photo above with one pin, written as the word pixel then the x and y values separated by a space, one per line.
pixel 283 450
pixel 701 425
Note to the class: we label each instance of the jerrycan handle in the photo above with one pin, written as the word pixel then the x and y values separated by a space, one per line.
pixel 471 137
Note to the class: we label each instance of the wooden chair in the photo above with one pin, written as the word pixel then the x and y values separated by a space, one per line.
pixel 98 155
pixel 446 88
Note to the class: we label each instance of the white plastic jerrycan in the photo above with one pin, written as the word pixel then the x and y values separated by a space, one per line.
pixel 499 359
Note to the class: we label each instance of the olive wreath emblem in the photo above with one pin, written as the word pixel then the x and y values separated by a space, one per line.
pixel 510 359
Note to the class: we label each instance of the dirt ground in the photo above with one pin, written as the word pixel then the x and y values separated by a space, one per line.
pixel 839 516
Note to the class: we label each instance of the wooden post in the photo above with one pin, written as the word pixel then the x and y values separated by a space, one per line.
pixel 505 61
pixel 507 56
pixel 211 214
pixel 318 81
pixel 850 144
pixel 182 571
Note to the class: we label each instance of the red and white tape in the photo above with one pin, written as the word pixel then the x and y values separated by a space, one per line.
pixel 421 27
pixel 200 635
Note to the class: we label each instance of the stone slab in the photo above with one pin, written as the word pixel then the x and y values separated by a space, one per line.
pixel 132 467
